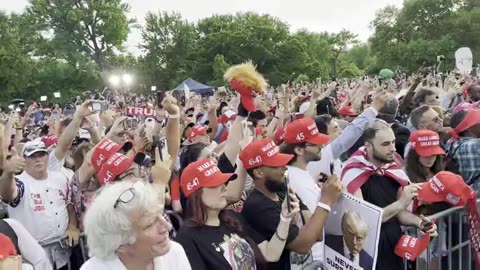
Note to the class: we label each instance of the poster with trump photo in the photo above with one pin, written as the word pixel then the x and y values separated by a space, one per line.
pixel 353 244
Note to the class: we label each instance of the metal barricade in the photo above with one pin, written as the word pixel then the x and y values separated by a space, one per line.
pixel 451 248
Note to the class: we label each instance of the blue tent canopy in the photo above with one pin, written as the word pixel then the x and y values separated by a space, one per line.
pixel 196 87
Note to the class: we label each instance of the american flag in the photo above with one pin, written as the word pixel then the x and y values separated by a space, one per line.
pixel 358 169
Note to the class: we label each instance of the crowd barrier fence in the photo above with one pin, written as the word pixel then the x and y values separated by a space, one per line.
pixel 451 249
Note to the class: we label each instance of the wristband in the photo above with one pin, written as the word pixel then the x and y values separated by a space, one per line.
pixel 284 219
pixel 324 206
pixel 173 116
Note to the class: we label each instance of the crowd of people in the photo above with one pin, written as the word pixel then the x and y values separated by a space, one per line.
pixel 243 179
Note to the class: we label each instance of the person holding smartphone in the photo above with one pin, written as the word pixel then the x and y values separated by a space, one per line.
pixel 266 165
pixel 304 142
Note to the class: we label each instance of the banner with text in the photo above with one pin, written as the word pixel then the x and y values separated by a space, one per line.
pixel 353 244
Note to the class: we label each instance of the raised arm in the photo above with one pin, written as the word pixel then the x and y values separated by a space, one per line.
pixel 173 127
pixel 66 138
pixel 312 231
pixel 354 130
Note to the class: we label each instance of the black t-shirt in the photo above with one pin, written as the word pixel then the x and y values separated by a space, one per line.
pixel 263 215
pixel 382 191
pixel 218 247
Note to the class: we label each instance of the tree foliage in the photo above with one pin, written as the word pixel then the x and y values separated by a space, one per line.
pixel 412 36
pixel 91 28
pixel 74 45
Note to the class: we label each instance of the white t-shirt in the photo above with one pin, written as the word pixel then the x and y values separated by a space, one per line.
pixel 323 165
pixel 41 206
pixel 174 259
pixel 304 186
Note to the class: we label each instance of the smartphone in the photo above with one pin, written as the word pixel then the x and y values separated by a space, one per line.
pixel 130 123
pixel 161 143
pixel 96 106
pixel 287 191
pixel 160 97
pixel 427 227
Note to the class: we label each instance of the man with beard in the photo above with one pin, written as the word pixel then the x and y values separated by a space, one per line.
pixel 304 143
pixel 374 173
pixel 261 210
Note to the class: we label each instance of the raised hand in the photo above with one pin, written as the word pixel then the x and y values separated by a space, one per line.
pixel 331 190
pixel 379 99
pixel 169 103
pixel 294 205
pixel 161 171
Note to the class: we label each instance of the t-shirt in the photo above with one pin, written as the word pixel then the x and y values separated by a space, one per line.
pixel 382 191
pixel 174 259
pixel 263 215
pixel 41 205
pixel 218 247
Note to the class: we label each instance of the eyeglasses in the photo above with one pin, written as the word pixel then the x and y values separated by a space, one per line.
pixel 128 195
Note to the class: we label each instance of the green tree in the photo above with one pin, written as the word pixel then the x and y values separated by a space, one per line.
pixel 91 28
pixel 169 43
pixel 219 66
pixel 362 57
pixel 240 37
pixel 302 78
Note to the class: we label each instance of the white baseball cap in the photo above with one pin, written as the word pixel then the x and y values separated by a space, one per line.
pixel 33 147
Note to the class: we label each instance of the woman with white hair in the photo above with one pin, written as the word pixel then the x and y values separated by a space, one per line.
pixel 125 229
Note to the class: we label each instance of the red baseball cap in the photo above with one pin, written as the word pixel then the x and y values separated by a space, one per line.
pixel 200 174
pixel 279 135
pixel 409 247
pixel 263 152
pixel 426 143
pixel 197 130
pixel 7 249
pixel 347 111
pixel 446 186
pixel 102 152
pixel 49 140
pixel 115 165
pixel 247 95
pixel 304 130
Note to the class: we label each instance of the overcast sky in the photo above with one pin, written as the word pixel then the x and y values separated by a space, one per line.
pixel 314 15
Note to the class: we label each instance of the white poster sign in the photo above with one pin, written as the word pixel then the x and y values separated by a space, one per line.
pixel 353 244
pixel 464 60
